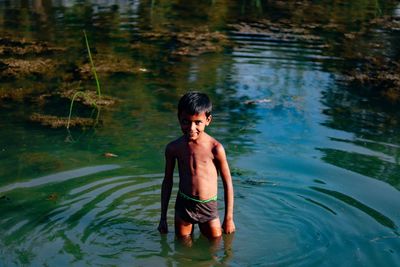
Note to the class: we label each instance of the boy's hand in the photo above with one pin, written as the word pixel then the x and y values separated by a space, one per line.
pixel 228 226
pixel 163 226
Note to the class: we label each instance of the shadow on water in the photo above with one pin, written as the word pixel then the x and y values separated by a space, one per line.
pixel 371 166
pixel 380 218
pixel 374 126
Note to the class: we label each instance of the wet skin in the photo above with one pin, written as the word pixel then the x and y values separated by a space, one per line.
pixel 200 158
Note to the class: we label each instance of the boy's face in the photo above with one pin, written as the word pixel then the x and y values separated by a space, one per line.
pixel 193 125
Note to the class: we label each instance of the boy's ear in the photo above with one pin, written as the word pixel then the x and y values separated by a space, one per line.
pixel 208 120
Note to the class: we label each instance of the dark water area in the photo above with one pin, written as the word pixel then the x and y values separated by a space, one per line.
pixel 313 144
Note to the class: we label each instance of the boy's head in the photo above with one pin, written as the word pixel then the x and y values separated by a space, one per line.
pixel 195 103
pixel 194 114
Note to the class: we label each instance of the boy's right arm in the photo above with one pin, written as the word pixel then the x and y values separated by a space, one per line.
pixel 166 188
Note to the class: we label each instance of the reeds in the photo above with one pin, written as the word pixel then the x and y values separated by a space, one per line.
pixel 92 64
pixel 92 101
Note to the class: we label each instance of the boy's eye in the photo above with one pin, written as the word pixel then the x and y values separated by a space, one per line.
pixel 187 122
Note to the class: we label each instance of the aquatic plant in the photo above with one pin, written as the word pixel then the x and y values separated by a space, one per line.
pixel 84 94
pixel 57 122
pixel 92 64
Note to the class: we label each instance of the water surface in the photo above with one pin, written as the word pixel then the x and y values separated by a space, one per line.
pixel 315 164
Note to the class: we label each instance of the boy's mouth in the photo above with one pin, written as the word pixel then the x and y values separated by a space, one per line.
pixel 192 134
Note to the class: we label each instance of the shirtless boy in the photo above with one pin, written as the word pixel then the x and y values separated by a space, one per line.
pixel 200 159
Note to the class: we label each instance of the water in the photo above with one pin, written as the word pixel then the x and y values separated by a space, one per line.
pixel 315 164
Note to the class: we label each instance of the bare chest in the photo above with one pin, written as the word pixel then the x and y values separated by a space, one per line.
pixel 197 157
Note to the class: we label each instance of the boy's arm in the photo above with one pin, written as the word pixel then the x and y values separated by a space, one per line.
pixel 166 188
pixel 228 225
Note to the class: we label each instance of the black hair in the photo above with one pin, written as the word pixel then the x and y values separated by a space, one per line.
pixel 195 103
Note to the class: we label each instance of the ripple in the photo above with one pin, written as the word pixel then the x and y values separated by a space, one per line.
pixel 100 219
pixel 59 177
pixel 298 225
pixel 379 217
pixel 289 52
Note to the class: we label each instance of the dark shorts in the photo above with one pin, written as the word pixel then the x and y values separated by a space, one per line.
pixel 195 212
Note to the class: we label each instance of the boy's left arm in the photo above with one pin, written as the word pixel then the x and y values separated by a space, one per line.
pixel 228 225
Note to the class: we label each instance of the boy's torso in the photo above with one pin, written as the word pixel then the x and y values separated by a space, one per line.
pixel 198 175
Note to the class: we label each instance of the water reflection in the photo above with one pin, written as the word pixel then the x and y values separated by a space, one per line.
pixel 199 250
pixel 375 131
pixel 370 166
pixel 380 218
pixel 303 147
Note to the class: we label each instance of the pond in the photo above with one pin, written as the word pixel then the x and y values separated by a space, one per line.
pixel 314 158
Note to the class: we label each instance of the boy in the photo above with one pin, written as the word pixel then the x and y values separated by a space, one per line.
pixel 200 159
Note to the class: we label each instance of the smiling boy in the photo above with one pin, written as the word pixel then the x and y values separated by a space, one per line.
pixel 200 159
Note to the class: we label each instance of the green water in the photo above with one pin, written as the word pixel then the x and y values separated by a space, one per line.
pixel 315 164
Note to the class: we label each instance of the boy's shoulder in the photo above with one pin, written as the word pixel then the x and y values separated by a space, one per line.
pixel 176 142
pixel 215 146
pixel 174 145
pixel 213 140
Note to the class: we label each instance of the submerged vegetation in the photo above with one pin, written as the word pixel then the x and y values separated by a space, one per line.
pixel 61 122
pixel 366 62
pixel 306 97
pixel 188 43
pixel 27 60
pixel 22 47
pixel 375 68
pixel 86 96
pixel 15 68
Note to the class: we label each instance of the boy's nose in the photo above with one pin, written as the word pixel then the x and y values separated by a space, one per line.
pixel 193 126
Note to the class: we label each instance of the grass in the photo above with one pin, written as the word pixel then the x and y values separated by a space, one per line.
pixel 92 64
pixel 93 102
pixel 72 104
